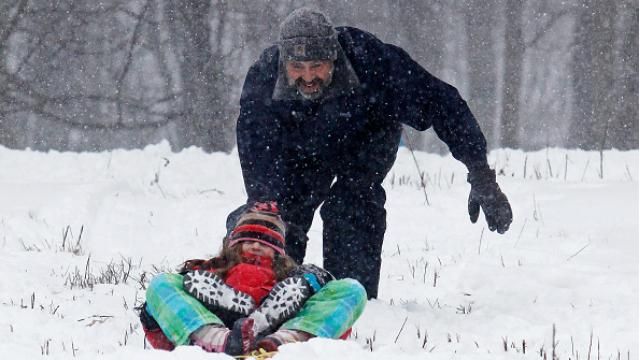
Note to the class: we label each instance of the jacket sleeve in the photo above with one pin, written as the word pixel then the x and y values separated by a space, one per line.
pixel 415 97
pixel 258 131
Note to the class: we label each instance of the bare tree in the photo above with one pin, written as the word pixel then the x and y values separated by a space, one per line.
pixel 512 79
pixel 623 131
pixel 87 75
pixel 204 121
pixel 483 76
pixel 421 32
pixel 593 75
pixel 528 26
pixel 74 72
pixel 10 16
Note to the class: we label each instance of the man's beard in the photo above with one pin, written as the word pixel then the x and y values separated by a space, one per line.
pixel 322 86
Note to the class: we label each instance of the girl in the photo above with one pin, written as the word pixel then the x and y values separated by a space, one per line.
pixel 250 296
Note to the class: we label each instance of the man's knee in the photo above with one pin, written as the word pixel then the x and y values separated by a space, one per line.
pixel 354 199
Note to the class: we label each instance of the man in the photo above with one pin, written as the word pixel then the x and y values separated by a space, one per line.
pixel 320 123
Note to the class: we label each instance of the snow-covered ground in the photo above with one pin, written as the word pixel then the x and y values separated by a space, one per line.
pixel 81 233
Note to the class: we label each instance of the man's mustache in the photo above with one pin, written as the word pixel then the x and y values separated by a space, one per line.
pixel 316 81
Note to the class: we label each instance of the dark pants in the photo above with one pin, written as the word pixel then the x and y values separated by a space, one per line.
pixel 354 222
pixel 353 214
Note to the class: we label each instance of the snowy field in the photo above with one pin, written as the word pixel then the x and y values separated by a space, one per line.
pixel 81 234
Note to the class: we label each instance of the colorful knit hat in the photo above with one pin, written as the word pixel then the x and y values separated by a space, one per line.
pixel 261 222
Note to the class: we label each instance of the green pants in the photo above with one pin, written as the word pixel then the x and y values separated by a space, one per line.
pixel 328 313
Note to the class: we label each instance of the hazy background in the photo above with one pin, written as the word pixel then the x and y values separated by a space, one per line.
pixel 83 75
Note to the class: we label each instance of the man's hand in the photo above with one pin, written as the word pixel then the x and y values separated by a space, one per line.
pixel 486 193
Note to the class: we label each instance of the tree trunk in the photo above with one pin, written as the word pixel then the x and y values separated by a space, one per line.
pixel 10 16
pixel 514 59
pixel 224 122
pixel 204 124
pixel 624 127
pixel 482 65
pixel 593 75
pixel 423 30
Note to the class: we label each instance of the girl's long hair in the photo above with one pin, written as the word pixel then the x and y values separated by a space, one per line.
pixel 232 256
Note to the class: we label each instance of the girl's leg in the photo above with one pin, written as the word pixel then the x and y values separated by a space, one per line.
pixel 331 311
pixel 177 312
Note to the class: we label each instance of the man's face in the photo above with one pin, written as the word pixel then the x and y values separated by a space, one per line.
pixel 310 77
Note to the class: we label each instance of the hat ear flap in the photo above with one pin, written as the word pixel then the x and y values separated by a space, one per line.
pixel 225 240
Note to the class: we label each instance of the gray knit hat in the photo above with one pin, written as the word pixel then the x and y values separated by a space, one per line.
pixel 307 34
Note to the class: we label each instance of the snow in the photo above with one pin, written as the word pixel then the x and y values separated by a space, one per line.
pixel 449 289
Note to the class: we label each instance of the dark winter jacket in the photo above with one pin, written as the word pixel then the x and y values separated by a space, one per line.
pixel 355 134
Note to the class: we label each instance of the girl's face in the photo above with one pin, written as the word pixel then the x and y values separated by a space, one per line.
pixel 258 248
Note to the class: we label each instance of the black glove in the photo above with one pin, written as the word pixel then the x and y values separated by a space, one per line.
pixel 316 276
pixel 486 193
pixel 242 338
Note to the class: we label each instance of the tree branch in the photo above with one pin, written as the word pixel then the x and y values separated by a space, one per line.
pixel 550 23
pixel 13 23
pixel 21 93
pixel 125 69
